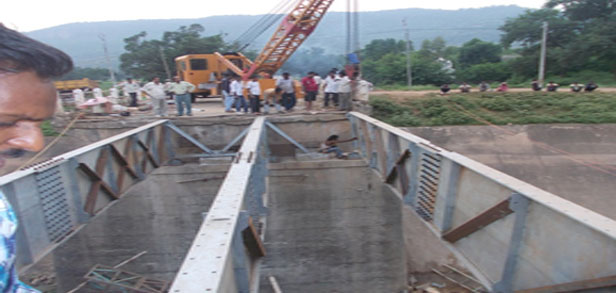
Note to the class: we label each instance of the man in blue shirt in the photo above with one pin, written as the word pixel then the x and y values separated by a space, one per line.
pixel 27 98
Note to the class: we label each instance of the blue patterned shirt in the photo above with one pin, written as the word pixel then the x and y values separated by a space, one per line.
pixel 9 283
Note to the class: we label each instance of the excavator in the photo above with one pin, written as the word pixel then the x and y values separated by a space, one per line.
pixel 205 70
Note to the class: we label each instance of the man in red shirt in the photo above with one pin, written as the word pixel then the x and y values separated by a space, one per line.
pixel 311 88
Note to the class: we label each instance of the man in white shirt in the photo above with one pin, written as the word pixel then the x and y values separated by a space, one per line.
pixel 344 92
pixel 181 90
pixel 330 87
pixel 237 91
pixel 254 90
pixel 79 97
pixel 288 91
pixel 131 88
pixel 97 92
pixel 156 91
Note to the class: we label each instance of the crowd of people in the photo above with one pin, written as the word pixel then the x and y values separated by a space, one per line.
pixel 534 85
pixel 336 89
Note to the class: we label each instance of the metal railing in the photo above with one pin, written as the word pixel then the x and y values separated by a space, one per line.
pixel 510 234
pixel 54 198
pixel 223 254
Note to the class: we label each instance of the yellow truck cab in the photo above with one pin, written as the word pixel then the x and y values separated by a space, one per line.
pixel 66 86
pixel 205 70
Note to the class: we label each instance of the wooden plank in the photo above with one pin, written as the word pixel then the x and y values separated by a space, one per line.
pixel 486 218
pixel 124 164
pixel 95 177
pixel 394 171
pixel 252 241
pixel 148 155
pixel 97 181
pixel 605 282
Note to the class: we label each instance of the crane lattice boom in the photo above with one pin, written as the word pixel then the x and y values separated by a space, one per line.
pixel 291 33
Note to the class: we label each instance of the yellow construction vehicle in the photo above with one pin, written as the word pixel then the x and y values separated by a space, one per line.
pixel 69 85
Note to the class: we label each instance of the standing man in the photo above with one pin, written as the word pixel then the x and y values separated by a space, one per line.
pixel 79 97
pixel 131 88
pixel 311 88
pixel 344 92
pixel 330 87
pixel 156 91
pixel 225 86
pixel 237 90
pixel 254 91
pixel 27 98
pixel 181 90
pixel 97 92
pixel 288 91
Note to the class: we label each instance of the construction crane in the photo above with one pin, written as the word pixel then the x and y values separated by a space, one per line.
pixel 291 33
pixel 204 70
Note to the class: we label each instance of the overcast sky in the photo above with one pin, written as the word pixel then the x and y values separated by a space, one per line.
pixel 25 15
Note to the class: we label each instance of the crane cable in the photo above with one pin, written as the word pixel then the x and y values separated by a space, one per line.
pixel 264 19
pixel 264 23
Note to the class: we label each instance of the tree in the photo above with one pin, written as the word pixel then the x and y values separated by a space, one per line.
pixel 477 51
pixel 485 72
pixel 582 10
pixel 581 36
pixel 379 48
pixel 526 29
pixel 143 57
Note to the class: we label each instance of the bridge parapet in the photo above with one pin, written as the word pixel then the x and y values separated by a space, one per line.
pixel 511 235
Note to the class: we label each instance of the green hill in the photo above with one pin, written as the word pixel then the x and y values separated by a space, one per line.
pixel 81 40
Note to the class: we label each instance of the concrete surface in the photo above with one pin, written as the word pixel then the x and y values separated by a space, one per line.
pixel 517 151
pixel 158 215
pixel 331 228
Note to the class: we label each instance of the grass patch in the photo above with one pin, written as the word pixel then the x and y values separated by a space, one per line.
pixel 497 108
pixel 47 129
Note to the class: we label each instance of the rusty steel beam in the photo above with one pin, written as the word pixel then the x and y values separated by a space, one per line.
pixel 486 218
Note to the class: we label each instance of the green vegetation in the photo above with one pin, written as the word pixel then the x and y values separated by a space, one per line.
pixel 47 129
pixel 497 108
pixel 579 48
pixel 142 57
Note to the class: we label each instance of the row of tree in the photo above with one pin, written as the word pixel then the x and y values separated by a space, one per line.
pixel 581 38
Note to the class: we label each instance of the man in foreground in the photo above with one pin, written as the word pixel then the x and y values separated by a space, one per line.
pixel 27 98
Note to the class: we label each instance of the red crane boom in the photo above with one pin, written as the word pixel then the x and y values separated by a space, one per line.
pixel 291 33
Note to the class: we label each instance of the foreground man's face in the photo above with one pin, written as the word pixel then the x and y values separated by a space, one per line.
pixel 25 102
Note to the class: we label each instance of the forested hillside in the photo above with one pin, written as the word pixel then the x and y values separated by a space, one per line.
pixel 81 40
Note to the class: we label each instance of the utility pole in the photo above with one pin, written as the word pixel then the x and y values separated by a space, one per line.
pixel 349 32
pixel 409 76
pixel 544 40
pixel 356 26
pixel 162 57
pixel 111 74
